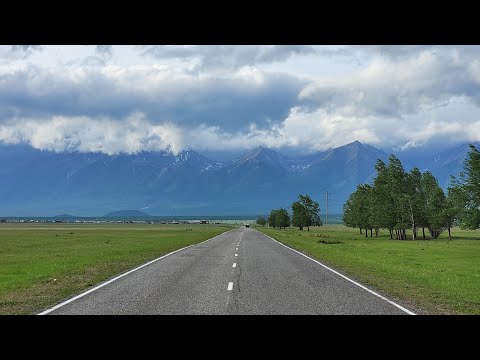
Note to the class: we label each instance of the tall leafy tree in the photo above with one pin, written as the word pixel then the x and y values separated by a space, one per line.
pixel 282 219
pixel 374 218
pixel 382 210
pixel 435 203
pixel 363 203
pixel 454 205
pixel 398 188
pixel 468 187
pixel 356 209
pixel 413 197
pixel 313 210
pixel 272 219
pixel 472 170
pixel 299 215
pixel 350 214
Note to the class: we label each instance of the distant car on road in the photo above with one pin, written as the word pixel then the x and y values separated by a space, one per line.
pixel 247 225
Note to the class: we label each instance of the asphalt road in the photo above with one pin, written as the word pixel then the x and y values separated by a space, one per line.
pixel 268 278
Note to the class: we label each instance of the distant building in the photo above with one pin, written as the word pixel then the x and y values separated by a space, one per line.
pixel 3 220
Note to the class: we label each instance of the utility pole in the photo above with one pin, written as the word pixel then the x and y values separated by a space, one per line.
pixel 326 210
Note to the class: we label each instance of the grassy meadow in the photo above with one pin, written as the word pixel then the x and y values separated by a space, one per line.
pixel 41 264
pixel 429 276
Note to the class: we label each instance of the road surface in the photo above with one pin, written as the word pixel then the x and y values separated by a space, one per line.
pixel 239 272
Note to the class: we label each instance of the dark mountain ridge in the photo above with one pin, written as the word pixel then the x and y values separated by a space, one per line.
pixel 35 182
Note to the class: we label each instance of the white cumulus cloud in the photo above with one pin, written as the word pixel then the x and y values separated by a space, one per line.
pixel 84 134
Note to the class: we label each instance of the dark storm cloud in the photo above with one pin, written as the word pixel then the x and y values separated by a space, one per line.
pixel 226 102
pixel 36 93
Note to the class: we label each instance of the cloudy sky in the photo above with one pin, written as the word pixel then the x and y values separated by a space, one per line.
pixel 233 98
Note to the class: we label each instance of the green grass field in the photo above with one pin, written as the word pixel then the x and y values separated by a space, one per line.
pixel 430 276
pixel 41 264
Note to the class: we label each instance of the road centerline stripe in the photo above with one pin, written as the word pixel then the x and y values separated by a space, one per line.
pixel 230 286
pixel 234 265
pixel 236 254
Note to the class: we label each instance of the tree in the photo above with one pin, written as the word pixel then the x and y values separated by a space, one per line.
pixel 363 200
pixel 312 209
pixel 279 218
pixel 398 189
pixel 350 215
pixel 261 220
pixel 282 219
pixel 435 203
pixel 382 210
pixel 468 190
pixel 414 198
pixel 299 215
pixel 272 218
pixel 355 210
pixel 454 205
pixel 472 183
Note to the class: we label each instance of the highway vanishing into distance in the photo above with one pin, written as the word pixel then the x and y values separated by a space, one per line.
pixel 241 271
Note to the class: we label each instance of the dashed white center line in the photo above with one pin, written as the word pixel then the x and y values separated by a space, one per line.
pixel 230 286
pixel 234 265
pixel 236 254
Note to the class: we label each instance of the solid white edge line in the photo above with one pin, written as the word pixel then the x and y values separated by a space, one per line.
pixel 230 286
pixel 234 265
pixel 346 278
pixel 122 275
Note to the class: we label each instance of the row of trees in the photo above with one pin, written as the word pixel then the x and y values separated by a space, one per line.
pixel 305 213
pixel 399 200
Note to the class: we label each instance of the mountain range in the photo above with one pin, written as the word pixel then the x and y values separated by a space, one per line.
pixel 43 183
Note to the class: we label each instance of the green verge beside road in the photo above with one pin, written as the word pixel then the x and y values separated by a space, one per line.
pixel 429 276
pixel 41 264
